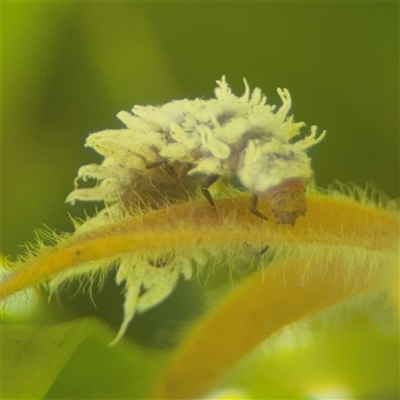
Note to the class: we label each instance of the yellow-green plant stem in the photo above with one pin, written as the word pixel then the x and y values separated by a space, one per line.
pixel 330 221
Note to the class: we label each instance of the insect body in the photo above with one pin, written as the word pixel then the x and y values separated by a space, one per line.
pixel 168 151
pixel 171 151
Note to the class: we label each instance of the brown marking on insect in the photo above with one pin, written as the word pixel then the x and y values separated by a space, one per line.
pixel 149 189
pixel 225 117
pixel 287 200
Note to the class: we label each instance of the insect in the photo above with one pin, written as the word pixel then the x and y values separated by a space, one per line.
pixel 170 150
pixel 166 153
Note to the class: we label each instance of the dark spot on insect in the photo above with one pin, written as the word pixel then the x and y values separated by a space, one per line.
pixel 257 132
pixel 288 156
pixel 225 117
pixel 78 253
pixel 155 164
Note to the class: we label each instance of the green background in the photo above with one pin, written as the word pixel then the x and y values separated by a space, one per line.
pixel 69 68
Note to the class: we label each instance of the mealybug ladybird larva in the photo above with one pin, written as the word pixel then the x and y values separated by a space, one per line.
pixel 163 149
pixel 167 152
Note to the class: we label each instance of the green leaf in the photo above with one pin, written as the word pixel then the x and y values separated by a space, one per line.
pixel 73 360
pixel 348 351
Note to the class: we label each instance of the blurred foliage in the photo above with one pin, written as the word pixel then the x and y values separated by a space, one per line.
pixel 69 67
pixel 344 352
pixel 69 360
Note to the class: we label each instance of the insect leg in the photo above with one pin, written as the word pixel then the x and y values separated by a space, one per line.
pixel 206 184
pixel 168 168
pixel 253 207
pixel 256 252
pixel 262 251
pixel 161 261
pixel 155 164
